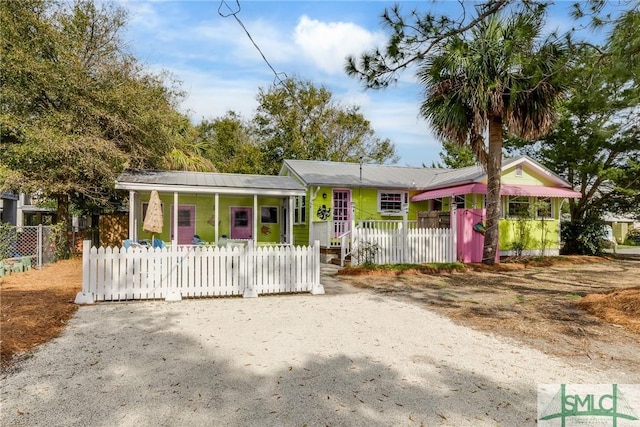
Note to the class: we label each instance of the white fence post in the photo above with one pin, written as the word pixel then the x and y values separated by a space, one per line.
pixel 247 258
pixel 316 287
pixel 405 238
pixel 177 264
pixel 86 296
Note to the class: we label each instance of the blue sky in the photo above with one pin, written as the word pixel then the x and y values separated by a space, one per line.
pixel 221 70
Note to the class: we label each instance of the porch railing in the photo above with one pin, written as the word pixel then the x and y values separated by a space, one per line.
pixel 387 225
pixel 328 232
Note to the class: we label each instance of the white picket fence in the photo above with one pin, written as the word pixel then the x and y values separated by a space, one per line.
pixel 111 274
pixel 403 245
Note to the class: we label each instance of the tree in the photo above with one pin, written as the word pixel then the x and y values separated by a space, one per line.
pixel 76 107
pixel 500 78
pixel 230 144
pixel 416 35
pixel 596 144
pixel 499 75
pixel 455 156
pixel 297 120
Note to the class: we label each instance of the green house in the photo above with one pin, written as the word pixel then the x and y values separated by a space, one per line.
pixel 200 207
pixel 340 196
pixel 323 201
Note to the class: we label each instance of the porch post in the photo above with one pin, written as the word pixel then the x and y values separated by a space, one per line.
pixel 132 215
pixel 174 238
pixel 312 196
pixel 453 224
pixel 254 233
pixel 215 217
pixel 290 221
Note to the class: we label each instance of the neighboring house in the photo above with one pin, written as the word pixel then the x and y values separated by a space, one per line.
pixel 9 208
pixel 620 226
pixel 339 195
pixel 213 206
pixel 20 210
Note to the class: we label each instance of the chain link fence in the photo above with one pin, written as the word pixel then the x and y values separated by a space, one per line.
pixel 37 242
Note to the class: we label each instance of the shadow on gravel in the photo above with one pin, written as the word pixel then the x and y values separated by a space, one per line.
pixel 166 378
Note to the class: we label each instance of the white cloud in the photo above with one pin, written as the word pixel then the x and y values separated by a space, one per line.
pixel 228 34
pixel 327 44
pixel 210 95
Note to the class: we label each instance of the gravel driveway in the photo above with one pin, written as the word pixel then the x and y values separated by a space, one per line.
pixel 349 359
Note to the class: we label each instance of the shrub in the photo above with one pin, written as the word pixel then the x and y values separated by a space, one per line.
pixel 583 237
pixel 633 237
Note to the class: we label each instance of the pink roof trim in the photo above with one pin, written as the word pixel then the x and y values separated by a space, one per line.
pixel 505 190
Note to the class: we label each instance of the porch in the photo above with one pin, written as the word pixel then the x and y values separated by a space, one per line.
pixel 212 207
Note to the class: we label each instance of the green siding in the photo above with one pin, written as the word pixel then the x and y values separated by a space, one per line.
pixel 205 215
pixel 534 234
pixel 301 231
pixel 529 177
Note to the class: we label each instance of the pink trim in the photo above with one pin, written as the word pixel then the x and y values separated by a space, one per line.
pixel 505 190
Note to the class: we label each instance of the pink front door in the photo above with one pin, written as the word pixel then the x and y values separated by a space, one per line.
pixel 186 224
pixel 241 223
pixel 341 212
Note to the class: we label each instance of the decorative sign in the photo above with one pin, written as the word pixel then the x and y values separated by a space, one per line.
pixel 323 212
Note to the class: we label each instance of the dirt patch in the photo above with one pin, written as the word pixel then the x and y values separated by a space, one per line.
pixel 619 307
pixel 36 306
pixel 583 308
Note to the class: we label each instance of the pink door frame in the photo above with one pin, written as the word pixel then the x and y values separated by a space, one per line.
pixel 341 211
pixel 241 222
pixel 186 217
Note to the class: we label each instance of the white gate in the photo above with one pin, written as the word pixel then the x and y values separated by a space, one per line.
pixel 197 271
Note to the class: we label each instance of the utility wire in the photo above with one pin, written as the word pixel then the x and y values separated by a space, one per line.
pixel 277 79
pixel 234 12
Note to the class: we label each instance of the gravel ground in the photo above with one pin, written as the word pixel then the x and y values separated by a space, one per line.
pixel 353 359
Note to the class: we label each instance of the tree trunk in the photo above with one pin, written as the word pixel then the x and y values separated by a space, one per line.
pixel 64 249
pixel 494 166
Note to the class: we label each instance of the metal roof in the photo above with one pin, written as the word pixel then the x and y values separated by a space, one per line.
pixel 477 173
pixel 207 182
pixel 346 174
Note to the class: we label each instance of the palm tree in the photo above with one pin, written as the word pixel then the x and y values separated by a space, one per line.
pixel 499 77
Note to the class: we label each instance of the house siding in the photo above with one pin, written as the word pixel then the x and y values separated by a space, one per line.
pixel 533 234
pixel 529 177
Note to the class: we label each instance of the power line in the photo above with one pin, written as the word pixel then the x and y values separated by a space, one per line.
pixel 278 80
pixel 234 13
